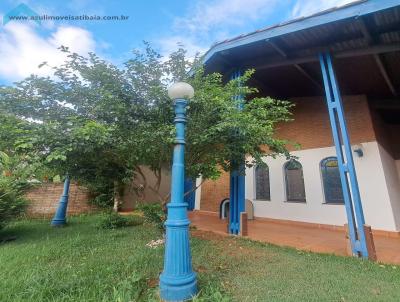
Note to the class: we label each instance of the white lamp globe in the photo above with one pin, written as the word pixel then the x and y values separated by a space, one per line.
pixel 180 90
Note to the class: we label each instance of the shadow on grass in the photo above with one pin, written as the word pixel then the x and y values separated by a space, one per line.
pixel 37 229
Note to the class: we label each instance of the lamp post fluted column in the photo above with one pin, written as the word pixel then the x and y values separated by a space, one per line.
pixel 178 281
pixel 59 218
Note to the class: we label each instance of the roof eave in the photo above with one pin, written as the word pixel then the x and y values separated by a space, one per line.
pixel 349 11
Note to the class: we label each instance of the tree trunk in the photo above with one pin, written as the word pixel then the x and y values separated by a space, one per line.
pixel 115 207
pixel 117 197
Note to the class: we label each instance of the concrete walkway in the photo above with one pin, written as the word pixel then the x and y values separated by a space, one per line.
pixel 301 237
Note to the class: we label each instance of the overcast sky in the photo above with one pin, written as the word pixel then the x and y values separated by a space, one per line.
pixel 195 23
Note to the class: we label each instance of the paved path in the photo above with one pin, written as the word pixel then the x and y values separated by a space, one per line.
pixel 301 237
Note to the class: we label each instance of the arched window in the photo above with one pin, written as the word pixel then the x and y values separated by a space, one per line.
pixel 262 183
pixel 331 180
pixel 294 181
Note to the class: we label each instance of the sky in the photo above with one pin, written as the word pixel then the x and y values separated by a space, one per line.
pixel 197 24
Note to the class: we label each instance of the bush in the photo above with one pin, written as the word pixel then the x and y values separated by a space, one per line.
pixel 11 205
pixel 13 184
pixel 102 200
pixel 153 214
pixel 102 194
pixel 116 221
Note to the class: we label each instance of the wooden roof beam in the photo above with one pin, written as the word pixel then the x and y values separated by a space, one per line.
pixel 377 49
pixel 378 59
pixel 304 72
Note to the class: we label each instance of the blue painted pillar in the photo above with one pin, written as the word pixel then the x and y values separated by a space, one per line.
pixel 190 193
pixel 178 281
pixel 237 182
pixel 59 218
pixel 348 177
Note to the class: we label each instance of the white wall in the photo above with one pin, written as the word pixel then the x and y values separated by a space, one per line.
pixel 391 173
pixel 373 189
pixel 198 193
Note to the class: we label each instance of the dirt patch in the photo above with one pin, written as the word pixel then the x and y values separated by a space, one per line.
pixel 208 235
pixel 151 283
pixel 201 269
pixel 235 247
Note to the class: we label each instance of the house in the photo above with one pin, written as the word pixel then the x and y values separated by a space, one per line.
pixel 341 69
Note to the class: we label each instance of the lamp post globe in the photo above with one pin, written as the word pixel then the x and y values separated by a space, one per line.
pixel 180 90
pixel 178 282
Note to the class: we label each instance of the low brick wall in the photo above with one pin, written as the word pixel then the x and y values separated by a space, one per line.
pixel 43 200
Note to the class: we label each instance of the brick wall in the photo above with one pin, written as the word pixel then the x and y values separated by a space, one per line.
pixel 43 200
pixel 311 129
pixel 213 192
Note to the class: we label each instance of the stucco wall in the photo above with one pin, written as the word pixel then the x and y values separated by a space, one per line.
pixel 373 189
pixel 132 197
pixel 398 167
pixel 391 174
pixel 198 193
pixel 378 177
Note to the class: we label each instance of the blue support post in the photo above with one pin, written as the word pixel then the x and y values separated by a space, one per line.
pixel 348 177
pixel 237 182
pixel 233 202
pixel 178 281
pixel 190 193
pixel 59 218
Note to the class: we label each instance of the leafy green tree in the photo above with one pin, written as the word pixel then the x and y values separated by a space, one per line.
pixel 102 123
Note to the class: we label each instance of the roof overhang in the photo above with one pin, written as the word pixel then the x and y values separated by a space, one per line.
pixel 364 38
pixel 353 10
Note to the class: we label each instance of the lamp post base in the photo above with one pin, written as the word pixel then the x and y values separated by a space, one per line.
pixel 178 289
pixel 58 223
pixel 177 281
pixel 59 219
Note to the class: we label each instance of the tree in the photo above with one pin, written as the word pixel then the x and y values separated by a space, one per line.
pixel 83 119
pixel 218 133
pixel 102 124
pixel 18 170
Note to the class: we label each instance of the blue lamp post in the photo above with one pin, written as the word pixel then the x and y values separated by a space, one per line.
pixel 59 218
pixel 178 281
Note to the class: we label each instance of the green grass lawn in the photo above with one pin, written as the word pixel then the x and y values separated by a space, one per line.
pixel 84 263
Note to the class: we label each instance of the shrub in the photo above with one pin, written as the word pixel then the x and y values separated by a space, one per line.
pixel 13 184
pixel 11 205
pixel 102 200
pixel 153 214
pixel 116 221
pixel 102 195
